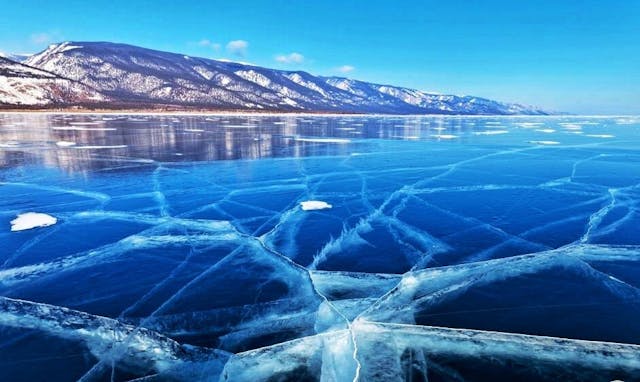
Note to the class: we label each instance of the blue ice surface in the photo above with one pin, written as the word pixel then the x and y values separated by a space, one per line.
pixel 456 248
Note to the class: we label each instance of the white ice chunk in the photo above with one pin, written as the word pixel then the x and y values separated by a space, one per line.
pixel 31 220
pixel 544 142
pixel 571 126
pixel 65 143
pixel 600 135
pixel 101 147
pixel 529 125
pixel 312 205
pixel 491 132
pixel 444 136
pixel 626 121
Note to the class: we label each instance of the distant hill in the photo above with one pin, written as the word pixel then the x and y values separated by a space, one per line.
pixel 108 74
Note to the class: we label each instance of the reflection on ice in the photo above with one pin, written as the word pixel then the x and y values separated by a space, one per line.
pixel 358 248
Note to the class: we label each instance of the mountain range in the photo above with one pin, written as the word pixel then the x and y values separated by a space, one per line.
pixel 111 75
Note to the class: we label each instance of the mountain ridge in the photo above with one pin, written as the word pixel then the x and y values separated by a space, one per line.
pixel 23 85
pixel 140 77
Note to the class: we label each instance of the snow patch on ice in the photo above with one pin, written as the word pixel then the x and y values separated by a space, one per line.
pixel 313 205
pixel 65 143
pixel 444 136
pixel 528 125
pixel 600 135
pixel 571 126
pixel 491 132
pixel 101 147
pixel 31 220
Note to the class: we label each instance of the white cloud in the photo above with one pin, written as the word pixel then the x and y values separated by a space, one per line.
pixel 44 38
pixel 209 44
pixel 291 58
pixel 204 42
pixel 345 69
pixel 238 47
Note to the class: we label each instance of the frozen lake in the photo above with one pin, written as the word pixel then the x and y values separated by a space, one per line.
pixel 443 248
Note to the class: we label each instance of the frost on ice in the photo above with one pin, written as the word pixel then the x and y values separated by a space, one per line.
pixel 31 220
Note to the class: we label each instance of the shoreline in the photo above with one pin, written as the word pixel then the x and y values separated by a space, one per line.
pixel 245 113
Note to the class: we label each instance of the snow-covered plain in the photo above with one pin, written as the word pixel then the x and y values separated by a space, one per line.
pixel 319 248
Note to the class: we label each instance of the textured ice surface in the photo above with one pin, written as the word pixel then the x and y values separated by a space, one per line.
pixel 455 248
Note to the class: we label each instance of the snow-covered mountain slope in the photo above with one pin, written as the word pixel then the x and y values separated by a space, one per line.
pixel 132 74
pixel 22 85
pixel 17 57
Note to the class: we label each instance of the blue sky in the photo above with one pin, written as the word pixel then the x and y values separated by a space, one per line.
pixel 577 56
